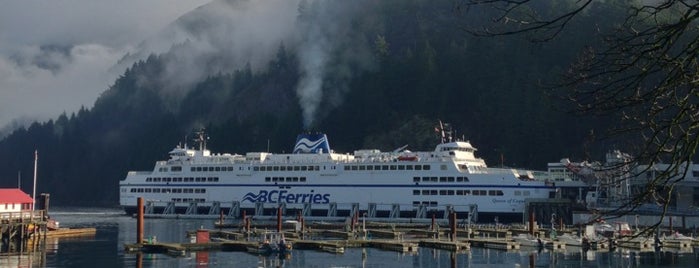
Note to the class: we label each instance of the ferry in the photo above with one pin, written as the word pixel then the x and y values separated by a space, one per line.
pixel 316 181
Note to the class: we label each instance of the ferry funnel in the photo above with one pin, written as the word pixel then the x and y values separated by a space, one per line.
pixel 311 143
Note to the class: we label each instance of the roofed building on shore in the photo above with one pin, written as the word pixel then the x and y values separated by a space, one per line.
pixel 14 200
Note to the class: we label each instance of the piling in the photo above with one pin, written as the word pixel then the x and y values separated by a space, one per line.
pixel 531 222
pixel 279 219
pixel 452 223
pixel 670 218
pixel 139 223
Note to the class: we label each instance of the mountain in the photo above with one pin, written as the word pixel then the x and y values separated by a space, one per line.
pixel 371 74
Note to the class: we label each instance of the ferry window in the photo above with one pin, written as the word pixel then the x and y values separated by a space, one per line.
pixel 434 179
pixel 255 168
pixel 282 168
pixel 289 168
pixel 433 192
pixel 304 168
pixel 156 190
pixel 347 168
pixel 217 169
pixel 443 167
pixel 149 179
pixel 384 167
pixel 133 190
pixel 459 192
pixel 302 178
pixel 167 179
pixel 467 192
pixel 433 203
pixel 176 169
pixel 295 179
pixel 369 167
pixel 354 167
pixel 442 192
pixel 418 167
pixel 476 192
pixel 210 179
pixel 416 179
pixel 230 168
pixel 459 179
pixel 197 168
pixel 377 167
pixel 450 179
pixel 203 191
pixel 518 193
pixel 276 168
pixel 268 179
pixel 316 168
pixel 425 178
pixel 500 193
pixel 442 179
pixel 525 193
pixel 492 192
pixel 288 179
pixel 416 203
pixel 362 167
pixel 401 167
pixel 450 192
pixel 409 167
pixel 393 167
pixel 425 192
pixel 416 192
pixel 192 169
pixel 425 167
pixel 297 168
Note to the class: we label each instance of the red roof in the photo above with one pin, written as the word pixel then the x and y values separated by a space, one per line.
pixel 14 196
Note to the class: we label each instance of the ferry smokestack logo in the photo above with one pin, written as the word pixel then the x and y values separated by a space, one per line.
pixel 312 143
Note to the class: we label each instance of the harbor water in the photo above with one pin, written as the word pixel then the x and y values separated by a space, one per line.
pixel 114 229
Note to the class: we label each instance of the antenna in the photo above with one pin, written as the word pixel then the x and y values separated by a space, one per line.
pixel 36 159
pixel 19 179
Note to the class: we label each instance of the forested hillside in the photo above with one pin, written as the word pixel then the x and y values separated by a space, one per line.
pixel 390 70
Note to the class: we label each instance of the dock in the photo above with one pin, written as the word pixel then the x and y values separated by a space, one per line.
pixel 405 238
pixel 71 232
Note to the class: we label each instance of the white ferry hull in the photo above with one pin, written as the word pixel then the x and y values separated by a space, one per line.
pixel 327 181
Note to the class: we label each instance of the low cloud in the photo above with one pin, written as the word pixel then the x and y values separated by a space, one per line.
pixel 56 56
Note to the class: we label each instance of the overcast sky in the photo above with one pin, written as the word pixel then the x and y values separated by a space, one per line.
pixel 57 55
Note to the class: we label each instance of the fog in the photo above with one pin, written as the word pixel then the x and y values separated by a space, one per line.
pixel 57 56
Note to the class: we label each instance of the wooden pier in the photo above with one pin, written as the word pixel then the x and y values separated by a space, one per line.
pixel 17 228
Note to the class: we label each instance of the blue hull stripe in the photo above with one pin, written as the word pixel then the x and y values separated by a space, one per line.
pixel 346 185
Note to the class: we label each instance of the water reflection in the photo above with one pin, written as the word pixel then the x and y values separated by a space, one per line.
pixel 106 249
